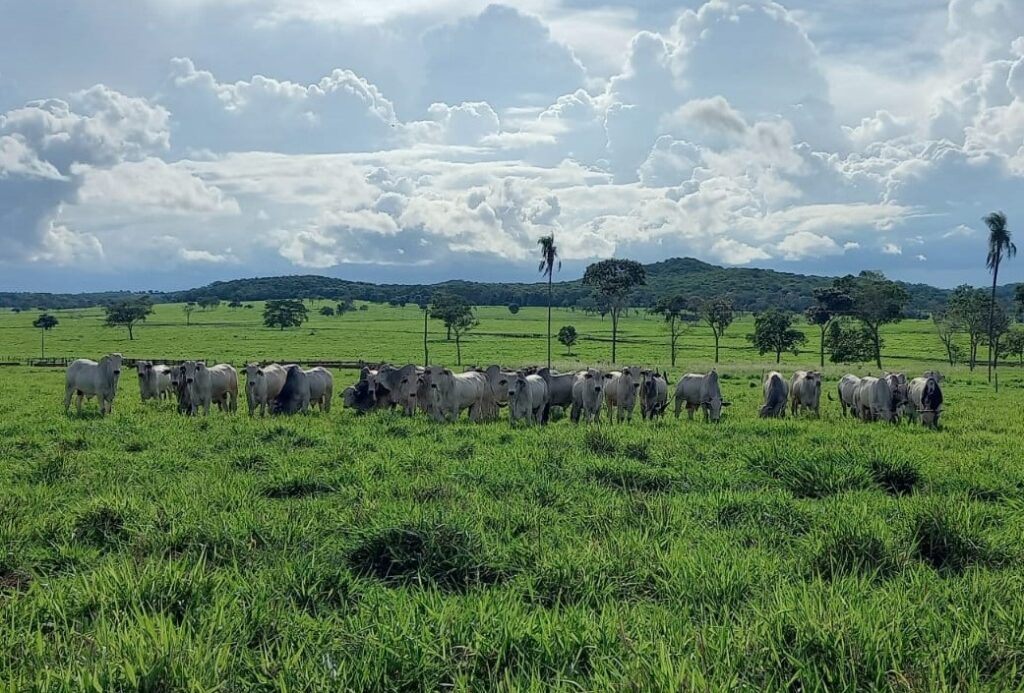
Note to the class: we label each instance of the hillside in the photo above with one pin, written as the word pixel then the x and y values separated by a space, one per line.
pixel 751 289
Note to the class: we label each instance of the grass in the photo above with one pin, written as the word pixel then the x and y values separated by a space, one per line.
pixel 334 552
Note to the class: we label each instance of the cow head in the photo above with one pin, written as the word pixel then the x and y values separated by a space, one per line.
pixel 713 402
pixel 112 364
pixel 516 384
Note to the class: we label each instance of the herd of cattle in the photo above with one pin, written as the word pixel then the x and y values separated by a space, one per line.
pixel 529 395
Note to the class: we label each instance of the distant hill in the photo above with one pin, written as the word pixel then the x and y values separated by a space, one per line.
pixel 750 289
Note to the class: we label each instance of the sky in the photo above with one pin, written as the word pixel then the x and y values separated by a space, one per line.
pixel 164 144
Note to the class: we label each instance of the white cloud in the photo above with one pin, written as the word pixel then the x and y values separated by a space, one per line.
pixel 733 252
pixel 803 244
pixel 152 185
pixel 892 249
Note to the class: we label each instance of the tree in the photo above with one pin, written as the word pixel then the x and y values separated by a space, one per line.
pixel 424 305
pixel 1018 300
pixel 829 303
pixel 208 302
pixel 613 281
pixel 548 260
pixel 1013 345
pixel 513 308
pixel 874 301
pixel 44 323
pixel 567 336
pixel 128 313
pixel 674 309
pixel 968 311
pixel 344 306
pixel 948 327
pixel 235 304
pixel 460 323
pixel 774 334
pixel 285 313
pixel 188 309
pixel 1000 247
pixel 327 311
pixel 446 307
pixel 717 313
pixel 996 330
pixel 849 342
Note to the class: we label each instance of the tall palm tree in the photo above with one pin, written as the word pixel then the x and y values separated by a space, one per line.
pixel 548 261
pixel 1000 247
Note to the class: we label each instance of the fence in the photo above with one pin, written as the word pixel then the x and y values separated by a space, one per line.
pixel 65 361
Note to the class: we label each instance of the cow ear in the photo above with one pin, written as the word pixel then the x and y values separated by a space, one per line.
pixel 447 371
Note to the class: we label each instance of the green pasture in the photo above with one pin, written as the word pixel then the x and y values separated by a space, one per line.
pixel 148 551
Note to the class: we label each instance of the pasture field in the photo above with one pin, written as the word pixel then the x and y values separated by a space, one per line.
pixel 148 551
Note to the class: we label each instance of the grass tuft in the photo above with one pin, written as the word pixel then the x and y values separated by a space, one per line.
pixel 102 524
pixel 896 477
pixel 853 551
pixel 633 477
pixel 297 488
pixel 947 539
pixel 600 443
pixel 442 555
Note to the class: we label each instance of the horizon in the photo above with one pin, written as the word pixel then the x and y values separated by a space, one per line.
pixel 146 146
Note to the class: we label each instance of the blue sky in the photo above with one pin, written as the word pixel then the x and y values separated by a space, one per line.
pixel 167 143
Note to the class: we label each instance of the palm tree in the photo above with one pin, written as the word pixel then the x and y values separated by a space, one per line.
pixel 548 261
pixel 999 247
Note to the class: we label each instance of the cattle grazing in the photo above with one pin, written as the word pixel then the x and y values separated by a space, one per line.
pixel 925 400
pixel 88 379
pixel 620 393
pixel 262 386
pixel 805 392
pixel 397 387
pixel 847 387
pixel 698 391
pixel 898 387
pixel 653 395
pixel 776 393
pixel 361 396
pixel 935 375
pixel 560 387
pixel 873 400
pixel 588 395
pixel 209 384
pixel 527 398
pixel 321 388
pixel 294 396
pixel 154 380
pixel 450 393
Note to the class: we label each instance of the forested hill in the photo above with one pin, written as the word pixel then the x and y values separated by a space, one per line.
pixel 750 289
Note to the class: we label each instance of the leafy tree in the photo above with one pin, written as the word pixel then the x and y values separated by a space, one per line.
pixel 548 260
pixel 284 313
pixel 718 315
pixel 513 308
pixel 344 306
pixel 447 307
pixel 675 310
pixel 874 301
pixel 948 327
pixel 1018 299
pixel 460 320
pixel 613 281
pixel 235 304
pixel 996 329
pixel 44 323
pixel 364 307
pixel 567 336
pixel 128 313
pixel 208 302
pixel 968 310
pixel 424 304
pixel 849 342
pixel 1013 345
pixel 774 334
pixel 829 303
pixel 1000 247
pixel 327 311
pixel 188 309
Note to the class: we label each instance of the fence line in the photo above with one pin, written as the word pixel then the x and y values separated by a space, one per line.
pixel 65 361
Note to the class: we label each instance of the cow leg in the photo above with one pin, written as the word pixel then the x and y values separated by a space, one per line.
pixel 78 402
pixel 689 412
pixel 68 393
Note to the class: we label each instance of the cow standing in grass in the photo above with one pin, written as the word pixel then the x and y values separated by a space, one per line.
pixel 527 398
pixel 653 395
pixel 588 395
pixel 699 391
pixel 775 395
pixel 88 379
pixel 154 380
pixel 925 401
pixel 805 392
pixel 620 393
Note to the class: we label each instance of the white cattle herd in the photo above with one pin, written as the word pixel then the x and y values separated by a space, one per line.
pixel 529 395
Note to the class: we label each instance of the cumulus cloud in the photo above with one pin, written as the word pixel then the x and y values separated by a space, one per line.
pixel 892 249
pixel 802 244
pixel 732 252
pixel 152 185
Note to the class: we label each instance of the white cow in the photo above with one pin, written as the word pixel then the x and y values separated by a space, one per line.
pixel 588 395
pixel 527 398
pixel 154 380
pixel 560 387
pixel 450 393
pixel 620 393
pixel 321 388
pixel 874 400
pixel 847 387
pixel 262 385
pixel 925 400
pixel 399 386
pixel 776 392
pixel 699 391
pixel 898 386
pixel 89 379
pixel 209 384
pixel 805 392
